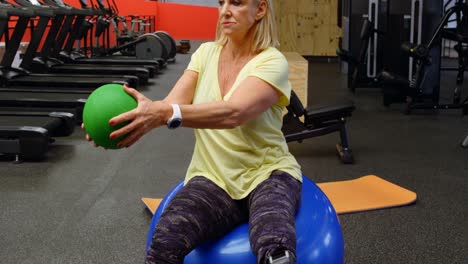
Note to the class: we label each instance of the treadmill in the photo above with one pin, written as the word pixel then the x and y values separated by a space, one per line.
pixel 43 102
pixel 10 76
pixel 41 66
pixel 27 135
pixel 40 100
pixel 54 48
pixel 80 28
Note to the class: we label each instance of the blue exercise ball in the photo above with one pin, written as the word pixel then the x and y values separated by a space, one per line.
pixel 319 236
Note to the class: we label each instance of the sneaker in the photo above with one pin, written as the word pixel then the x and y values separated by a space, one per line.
pixel 281 257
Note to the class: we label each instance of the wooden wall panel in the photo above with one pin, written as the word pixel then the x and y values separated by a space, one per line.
pixel 288 33
pixel 308 27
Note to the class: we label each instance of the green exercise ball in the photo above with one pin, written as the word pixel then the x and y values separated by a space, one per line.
pixel 103 104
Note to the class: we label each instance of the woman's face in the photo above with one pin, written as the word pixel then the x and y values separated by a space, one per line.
pixel 237 17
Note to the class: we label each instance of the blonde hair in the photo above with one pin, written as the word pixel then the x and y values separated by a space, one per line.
pixel 265 34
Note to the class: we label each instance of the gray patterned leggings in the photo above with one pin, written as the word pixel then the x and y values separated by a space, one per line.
pixel 202 211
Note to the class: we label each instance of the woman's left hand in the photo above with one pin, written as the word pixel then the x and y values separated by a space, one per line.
pixel 148 115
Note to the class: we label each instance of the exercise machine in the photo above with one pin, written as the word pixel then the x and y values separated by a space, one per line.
pixel 424 77
pixel 44 102
pixel 138 26
pixel 169 44
pixel 146 46
pixel 74 28
pixel 130 34
pixel 459 34
pixel 404 80
pixel 318 121
pixel 45 64
pixel 362 23
pixel 27 135
pixel 10 76
pixel 355 63
pixel 393 22
pixel 20 100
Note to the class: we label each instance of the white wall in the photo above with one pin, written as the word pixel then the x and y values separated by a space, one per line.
pixel 213 3
pixel 453 23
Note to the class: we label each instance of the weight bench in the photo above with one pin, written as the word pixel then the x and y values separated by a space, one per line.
pixel 318 121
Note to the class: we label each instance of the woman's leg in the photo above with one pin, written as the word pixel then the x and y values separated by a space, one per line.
pixel 199 212
pixel 273 205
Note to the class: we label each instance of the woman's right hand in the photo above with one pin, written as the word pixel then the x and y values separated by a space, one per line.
pixel 145 117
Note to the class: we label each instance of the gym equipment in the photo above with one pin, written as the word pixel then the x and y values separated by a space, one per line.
pixel 146 46
pixel 47 65
pixel 37 100
pixel 184 46
pixel 318 121
pixel 419 79
pixel 355 63
pixel 170 45
pixel 319 236
pixel 362 73
pixel 26 132
pixel 10 76
pixel 32 99
pixel 458 34
pixel 102 105
pixel 76 27
pixel 362 194
pixel 393 22
pixel 43 102
pixel 139 25
pixel 400 18
pixel 27 135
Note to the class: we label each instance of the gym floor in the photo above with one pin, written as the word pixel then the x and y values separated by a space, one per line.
pixel 82 204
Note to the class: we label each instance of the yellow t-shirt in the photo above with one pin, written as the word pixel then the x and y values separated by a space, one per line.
pixel 238 159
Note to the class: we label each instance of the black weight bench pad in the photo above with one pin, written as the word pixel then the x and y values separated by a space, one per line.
pixel 323 113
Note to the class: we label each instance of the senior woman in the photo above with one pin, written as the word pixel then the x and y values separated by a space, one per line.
pixel 232 93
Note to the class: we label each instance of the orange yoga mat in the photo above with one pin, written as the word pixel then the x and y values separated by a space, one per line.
pixel 362 194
